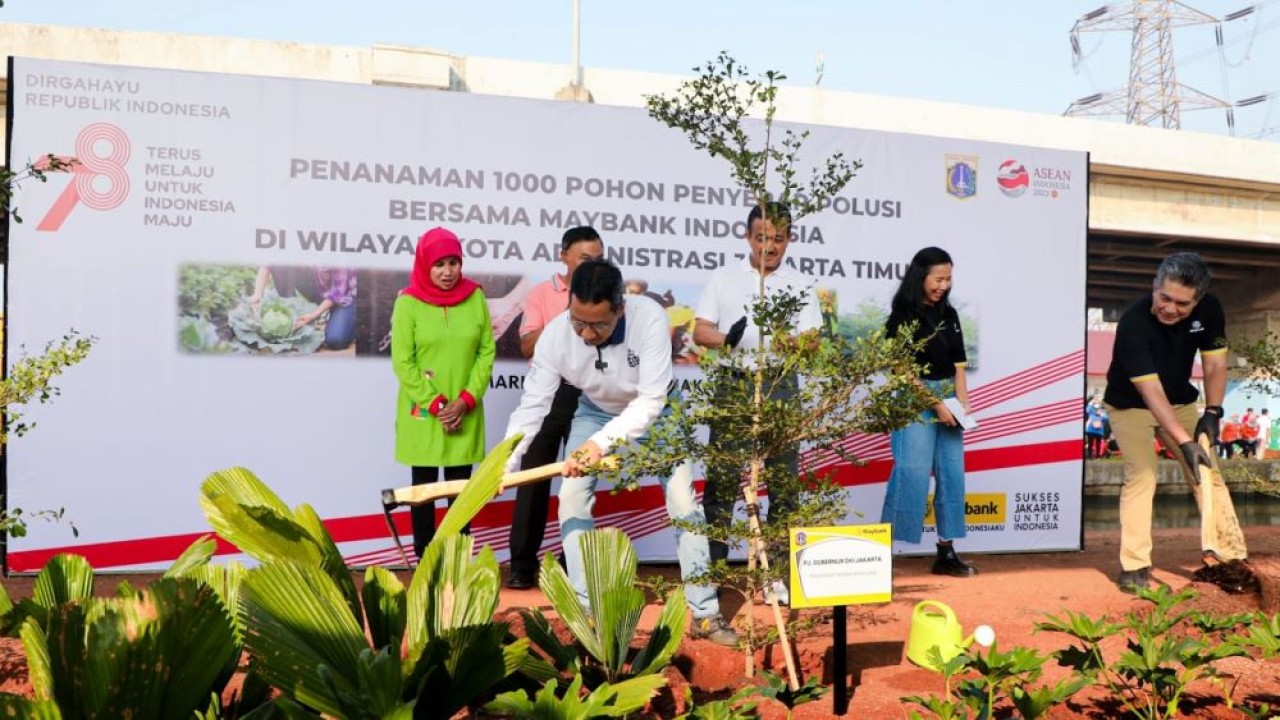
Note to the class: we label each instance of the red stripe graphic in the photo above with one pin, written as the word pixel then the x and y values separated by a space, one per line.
pixel 1023 382
pixel 871 447
pixel 639 513
pixel 990 428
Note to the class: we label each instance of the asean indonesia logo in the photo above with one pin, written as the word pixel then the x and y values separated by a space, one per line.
pixel 962 176
pixel 1012 178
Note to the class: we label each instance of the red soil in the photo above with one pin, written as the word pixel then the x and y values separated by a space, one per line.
pixel 1011 593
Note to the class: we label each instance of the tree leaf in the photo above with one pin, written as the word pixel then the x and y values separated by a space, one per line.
pixel 65 578
pixel 481 489
pixel 297 623
pixel 384 607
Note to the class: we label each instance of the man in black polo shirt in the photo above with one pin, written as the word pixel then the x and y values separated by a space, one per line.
pixel 1149 389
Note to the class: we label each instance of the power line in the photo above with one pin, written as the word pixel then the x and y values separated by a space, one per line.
pixel 1258 29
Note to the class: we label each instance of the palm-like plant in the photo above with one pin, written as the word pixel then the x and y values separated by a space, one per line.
pixel 601 659
pixel 65 578
pixel 155 653
pixel 431 649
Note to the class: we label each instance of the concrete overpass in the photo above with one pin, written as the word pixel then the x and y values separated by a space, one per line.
pixel 1151 191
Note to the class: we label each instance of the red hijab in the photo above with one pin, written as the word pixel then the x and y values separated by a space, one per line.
pixel 436 244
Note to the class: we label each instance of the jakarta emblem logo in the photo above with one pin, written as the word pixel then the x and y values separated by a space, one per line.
pixel 962 176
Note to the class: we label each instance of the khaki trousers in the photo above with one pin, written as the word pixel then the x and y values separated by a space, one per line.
pixel 1134 430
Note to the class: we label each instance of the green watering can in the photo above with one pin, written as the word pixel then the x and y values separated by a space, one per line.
pixel 933 624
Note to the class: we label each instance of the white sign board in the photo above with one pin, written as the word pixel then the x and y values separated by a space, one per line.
pixel 191 186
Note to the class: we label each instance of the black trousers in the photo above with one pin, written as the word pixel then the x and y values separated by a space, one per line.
pixel 723 486
pixel 424 516
pixel 529 519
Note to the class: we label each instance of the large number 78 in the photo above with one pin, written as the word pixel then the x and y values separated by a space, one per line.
pixel 99 177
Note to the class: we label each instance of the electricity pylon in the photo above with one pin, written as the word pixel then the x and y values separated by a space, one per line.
pixel 1153 96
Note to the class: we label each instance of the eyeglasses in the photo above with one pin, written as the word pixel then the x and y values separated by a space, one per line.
pixel 599 328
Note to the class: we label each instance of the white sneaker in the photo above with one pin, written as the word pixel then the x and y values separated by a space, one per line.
pixel 779 589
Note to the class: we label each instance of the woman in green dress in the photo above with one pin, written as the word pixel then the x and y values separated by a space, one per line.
pixel 442 350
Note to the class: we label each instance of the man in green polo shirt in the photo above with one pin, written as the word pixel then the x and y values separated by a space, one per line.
pixel 1149 390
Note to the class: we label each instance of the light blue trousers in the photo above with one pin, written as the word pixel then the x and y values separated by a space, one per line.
pixel 577 506
pixel 922 449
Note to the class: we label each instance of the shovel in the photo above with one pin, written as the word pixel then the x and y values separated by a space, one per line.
pixel 1208 534
pixel 414 495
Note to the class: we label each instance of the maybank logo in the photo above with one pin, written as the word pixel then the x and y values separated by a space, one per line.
pixel 979 509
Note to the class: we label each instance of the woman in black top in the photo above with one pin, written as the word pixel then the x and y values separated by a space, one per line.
pixel 933 445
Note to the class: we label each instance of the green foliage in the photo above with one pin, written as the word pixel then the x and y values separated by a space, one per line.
pixel 777 689
pixel 1167 647
pixel 157 654
pixel 1162 655
pixel 1261 356
pixel 168 650
pixel 738 706
pixel 868 317
pixel 197 335
pixel 21 708
pixel 998 673
pixel 607 700
pixel 1263 634
pixel 849 387
pixel 983 685
pixel 31 377
pixel 483 486
pixel 428 650
pixel 270 328
pixel 712 111
pixel 63 579
pixel 846 385
pixel 244 511
pixel 1262 711
pixel 209 292
pixel 602 652
pixel 37 170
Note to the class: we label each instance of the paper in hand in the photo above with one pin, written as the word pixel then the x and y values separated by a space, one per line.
pixel 965 421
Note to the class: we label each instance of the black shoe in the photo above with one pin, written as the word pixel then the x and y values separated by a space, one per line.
pixel 1131 581
pixel 521 580
pixel 948 563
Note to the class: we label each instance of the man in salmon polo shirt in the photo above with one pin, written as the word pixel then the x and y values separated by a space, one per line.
pixel 545 301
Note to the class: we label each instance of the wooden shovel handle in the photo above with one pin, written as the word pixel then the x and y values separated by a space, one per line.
pixel 421 494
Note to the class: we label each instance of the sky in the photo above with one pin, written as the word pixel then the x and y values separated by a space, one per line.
pixel 1012 54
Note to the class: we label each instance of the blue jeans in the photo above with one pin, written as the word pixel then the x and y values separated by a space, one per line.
pixel 577 506
pixel 920 449
pixel 340 330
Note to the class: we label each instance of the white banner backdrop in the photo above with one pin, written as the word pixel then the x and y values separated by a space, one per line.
pixel 191 183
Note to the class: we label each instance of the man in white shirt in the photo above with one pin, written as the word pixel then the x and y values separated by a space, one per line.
pixel 1264 433
pixel 723 321
pixel 618 353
